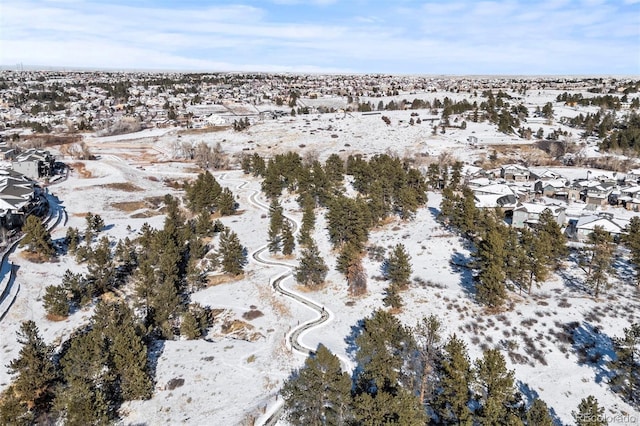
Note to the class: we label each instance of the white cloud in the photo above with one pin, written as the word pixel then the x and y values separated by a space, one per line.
pixel 460 37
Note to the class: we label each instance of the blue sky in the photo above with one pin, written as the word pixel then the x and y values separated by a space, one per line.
pixel 461 37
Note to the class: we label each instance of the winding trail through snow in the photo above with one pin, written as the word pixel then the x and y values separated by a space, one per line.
pixel 294 336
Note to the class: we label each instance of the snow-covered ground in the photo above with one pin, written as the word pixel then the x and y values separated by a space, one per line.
pixel 229 380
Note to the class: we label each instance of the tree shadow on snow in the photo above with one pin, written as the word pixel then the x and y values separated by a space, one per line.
pixel 529 395
pixel 460 263
pixel 154 352
pixel 594 349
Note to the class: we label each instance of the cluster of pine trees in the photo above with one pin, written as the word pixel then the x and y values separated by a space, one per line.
pixel 407 375
pixel 385 185
pixel 506 258
pixel 105 363
pixel 85 381
pixel 206 196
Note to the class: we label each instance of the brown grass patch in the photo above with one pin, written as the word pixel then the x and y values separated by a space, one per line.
pixel 55 318
pixel 129 206
pixel 214 280
pixel 81 169
pixel 34 257
pixel 123 186
pixel 252 314
pixel 145 214
pixel 235 326
pixel 203 130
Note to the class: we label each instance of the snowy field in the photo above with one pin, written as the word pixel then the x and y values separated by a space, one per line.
pixel 228 380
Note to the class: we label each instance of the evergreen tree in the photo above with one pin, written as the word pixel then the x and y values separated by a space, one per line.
pixel 36 373
pixel 397 268
pixel 72 239
pixel 392 297
pixel 334 169
pixel 288 241
pixel 537 251
pixel 427 336
pixel 456 175
pixel 312 270
pixel 203 225
pixel 56 301
pixel 385 408
pixel 550 231
pixel 589 413
pixel 626 366
pixel 385 347
pixel 226 203
pixel 232 252
pixel 258 165
pixel 490 259
pixel 597 257
pixel 632 241
pixel 82 403
pixel 433 176
pixel 348 220
pixel 308 220
pixel 276 221
pixel 13 411
pixel 36 237
pixel 101 270
pixel 496 389
pixel 318 393
pixel 202 195
pixel 538 414
pixel 455 377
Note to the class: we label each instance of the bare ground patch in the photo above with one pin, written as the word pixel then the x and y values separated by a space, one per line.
pixel 123 186
pixel 214 280
pixel 81 169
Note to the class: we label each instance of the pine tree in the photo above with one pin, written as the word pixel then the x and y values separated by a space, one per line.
pixel 589 413
pixel 288 241
pixel 36 237
pixel 397 268
pixel 318 393
pixel 56 301
pixel 312 270
pixel 72 239
pixel 83 403
pixel 385 408
pixel 496 389
pixel 35 370
pixel 455 377
pixel 490 258
pixel 226 203
pixel 233 253
pixel 276 222
pixel 433 176
pixel 551 231
pixel 538 414
pixel 13 411
pixel 427 336
pixel 384 349
pixel 597 256
pixel 626 366
pixel 632 241
pixel 392 297
pixel 308 221
pixel 101 270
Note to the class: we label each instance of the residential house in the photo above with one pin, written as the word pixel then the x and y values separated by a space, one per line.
pixel 514 172
pixel 528 214
pixel 581 228
pixel 34 163
pixel 553 188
